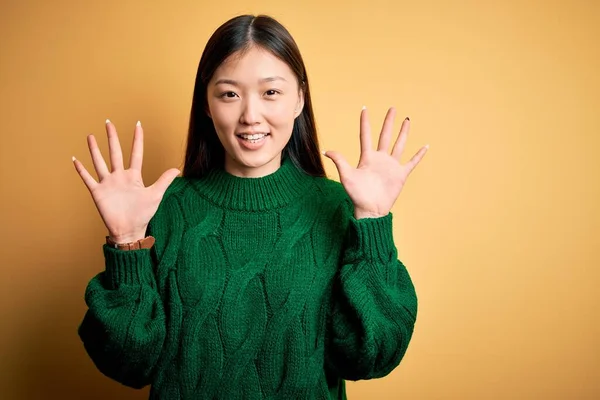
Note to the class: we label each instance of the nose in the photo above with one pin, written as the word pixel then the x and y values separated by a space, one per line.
pixel 250 112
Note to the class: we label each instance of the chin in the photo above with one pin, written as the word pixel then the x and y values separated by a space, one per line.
pixel 259 162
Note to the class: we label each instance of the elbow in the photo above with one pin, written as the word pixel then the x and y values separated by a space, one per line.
pixel 131 367
pixel 377 356
pixel 123 372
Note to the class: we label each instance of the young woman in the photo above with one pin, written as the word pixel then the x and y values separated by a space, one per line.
pixel 253 276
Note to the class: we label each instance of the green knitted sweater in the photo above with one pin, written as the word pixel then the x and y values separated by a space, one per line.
pixel 256 288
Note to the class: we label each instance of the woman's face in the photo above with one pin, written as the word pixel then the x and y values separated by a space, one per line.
pixel 253 100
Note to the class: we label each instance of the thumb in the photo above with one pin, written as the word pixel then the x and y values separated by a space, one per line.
pixel 165 180
pixel 339 161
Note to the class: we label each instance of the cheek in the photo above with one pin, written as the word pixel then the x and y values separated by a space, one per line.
pixel 281 116
pixel 223 119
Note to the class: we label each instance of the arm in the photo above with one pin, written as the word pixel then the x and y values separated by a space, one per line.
pixel 124 327
pixel 374 304
pixel 123 330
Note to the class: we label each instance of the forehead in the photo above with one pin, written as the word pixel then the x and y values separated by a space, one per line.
pixel 252 65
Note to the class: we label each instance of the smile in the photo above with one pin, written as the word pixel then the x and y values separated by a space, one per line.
pixel 254 137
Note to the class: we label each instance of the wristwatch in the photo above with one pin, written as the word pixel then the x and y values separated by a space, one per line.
pixel 144 243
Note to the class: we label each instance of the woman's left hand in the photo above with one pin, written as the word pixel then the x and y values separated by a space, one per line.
pixel 375 184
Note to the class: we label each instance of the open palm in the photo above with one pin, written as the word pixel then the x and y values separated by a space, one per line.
pixel 125 204
pixel 377 181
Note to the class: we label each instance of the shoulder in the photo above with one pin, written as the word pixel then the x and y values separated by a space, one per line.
pixel 332 192
pixel 177 187
pixel 170 207
pixel 175 192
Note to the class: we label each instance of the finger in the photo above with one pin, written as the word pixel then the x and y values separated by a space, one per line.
pixel 365 132
pixel 401 140
pixel 162 183
pixel 87 179
pixel 340 162
pixel 137 149
pixel 97 159
pixel 414 161
pixel 386 131
pixel 114 147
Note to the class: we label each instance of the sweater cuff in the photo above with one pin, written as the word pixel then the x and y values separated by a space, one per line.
pixel 126 267
pixel 373 238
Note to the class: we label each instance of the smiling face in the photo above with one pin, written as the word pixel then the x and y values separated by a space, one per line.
pixel 253 100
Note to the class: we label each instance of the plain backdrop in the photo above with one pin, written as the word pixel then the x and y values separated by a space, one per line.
pixel 499 226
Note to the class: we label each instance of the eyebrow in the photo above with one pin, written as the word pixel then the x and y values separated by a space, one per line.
pixel 235 83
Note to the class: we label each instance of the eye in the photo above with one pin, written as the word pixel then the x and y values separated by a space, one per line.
pixel 272 92
pixel 229 95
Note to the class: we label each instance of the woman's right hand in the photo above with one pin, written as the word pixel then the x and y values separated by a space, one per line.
pixel 124 203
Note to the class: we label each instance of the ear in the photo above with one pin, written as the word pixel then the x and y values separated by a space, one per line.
pixel 300 105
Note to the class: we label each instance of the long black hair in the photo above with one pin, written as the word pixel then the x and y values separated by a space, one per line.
pixel 204 151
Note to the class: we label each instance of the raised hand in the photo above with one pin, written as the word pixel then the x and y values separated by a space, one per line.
pixel 375 184
pixel 124 203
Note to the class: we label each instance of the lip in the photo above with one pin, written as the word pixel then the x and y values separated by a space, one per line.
pixel 245 144
pixel 251 133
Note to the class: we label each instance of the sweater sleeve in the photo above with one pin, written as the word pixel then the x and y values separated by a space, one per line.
pixel 374 303
pixel 124 328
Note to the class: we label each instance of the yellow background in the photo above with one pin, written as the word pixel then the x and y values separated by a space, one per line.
pixel 499 225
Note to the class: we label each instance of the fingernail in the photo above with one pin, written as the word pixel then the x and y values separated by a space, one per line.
pixel 138 123
pixel 107 121
pixel 73 159
pixel 364 107
pixel 323 152
pixel 427 146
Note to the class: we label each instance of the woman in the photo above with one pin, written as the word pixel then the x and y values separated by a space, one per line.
pixel 252 276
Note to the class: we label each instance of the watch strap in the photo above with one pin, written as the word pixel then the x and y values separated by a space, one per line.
pixel 144 243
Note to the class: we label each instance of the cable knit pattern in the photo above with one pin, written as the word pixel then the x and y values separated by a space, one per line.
pixel 256 288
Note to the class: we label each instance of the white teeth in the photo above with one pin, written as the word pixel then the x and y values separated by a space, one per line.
pixel 256 136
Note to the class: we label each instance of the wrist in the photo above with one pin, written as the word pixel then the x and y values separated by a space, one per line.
pixel 144 243
pixel 362 214
pixel 130 238
pixel 125 239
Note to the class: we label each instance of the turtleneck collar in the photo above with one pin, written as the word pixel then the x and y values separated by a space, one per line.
pixel 255 194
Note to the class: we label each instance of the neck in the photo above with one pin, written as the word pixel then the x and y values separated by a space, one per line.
pixel 275 190
pixel 239 170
